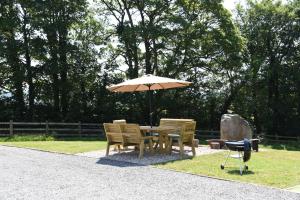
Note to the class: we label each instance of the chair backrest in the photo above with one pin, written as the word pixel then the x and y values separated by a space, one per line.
pixel 132 133
pixel 113 132
pixel 119 121
pixel 188 131
pixel 173 122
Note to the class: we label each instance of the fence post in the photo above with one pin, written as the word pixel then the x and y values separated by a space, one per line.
pixel 11 127
pixel 79 128
pixel 47 127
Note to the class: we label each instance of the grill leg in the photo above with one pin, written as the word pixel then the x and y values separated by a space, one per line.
pixel 242 165
pixel 223 165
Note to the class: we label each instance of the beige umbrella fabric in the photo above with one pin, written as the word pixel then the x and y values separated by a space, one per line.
pixel 146 83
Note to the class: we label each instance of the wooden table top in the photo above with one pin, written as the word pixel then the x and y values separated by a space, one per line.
pixel 158 128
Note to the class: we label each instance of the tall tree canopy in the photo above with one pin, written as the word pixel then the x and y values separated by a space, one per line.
pixel 57 58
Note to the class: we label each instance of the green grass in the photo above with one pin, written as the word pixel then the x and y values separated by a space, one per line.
pixel 276 168
pixel 19 138
pixel 48 143
pixel 72 147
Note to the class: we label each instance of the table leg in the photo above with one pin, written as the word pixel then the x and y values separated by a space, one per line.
pixel 161 148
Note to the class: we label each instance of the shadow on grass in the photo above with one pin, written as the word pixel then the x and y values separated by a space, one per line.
pixel 237 172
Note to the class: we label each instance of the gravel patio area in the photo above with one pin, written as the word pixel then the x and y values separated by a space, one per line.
pixel 30 174
pixel 148 159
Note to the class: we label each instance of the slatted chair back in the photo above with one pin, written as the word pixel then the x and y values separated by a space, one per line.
pixel 119 121
pixel 113 132
pixel 132 133
pixel 173 122
pixel 188 131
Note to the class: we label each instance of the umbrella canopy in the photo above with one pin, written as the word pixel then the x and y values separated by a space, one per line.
pixel 148 82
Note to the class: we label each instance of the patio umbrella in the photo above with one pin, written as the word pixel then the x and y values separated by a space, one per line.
pixel 148 83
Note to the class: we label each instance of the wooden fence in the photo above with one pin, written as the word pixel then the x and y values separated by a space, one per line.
pixel 96 129
pixel 51 128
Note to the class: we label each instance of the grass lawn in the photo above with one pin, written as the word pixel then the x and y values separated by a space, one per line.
pixel 50 144
pixel 276 168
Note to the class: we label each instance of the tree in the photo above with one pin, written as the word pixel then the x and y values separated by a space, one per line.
pixel 272 31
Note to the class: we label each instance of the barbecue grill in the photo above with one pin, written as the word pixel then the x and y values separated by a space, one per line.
pixel 244 153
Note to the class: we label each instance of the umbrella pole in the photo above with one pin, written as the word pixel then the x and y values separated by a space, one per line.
pixel 150 106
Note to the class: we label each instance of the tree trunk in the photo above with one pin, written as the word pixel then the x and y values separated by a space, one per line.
pixel 273 97
pixel 63 70
pixel 17 78
pixel 54 68
pixel 146 41
pixel 31 92
pixel 155 55
pixel 133 43
pixel 18 74
pixel 212 118
pixel 254 88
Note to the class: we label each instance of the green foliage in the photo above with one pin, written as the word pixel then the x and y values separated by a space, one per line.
pixel 57 58
pixel 272 32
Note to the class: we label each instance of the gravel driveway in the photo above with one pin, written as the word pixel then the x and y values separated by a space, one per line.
pixel 29 174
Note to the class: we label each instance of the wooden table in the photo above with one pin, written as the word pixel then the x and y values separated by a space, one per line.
pixel 163 132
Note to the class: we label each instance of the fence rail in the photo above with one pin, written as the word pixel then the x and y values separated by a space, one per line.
pixel 80 129
pixel 51 128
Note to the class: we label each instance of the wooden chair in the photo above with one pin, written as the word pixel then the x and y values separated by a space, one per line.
pixel 172 122
pixel 114 135
pixel 184 138
pixel 132 136
pixel 121 122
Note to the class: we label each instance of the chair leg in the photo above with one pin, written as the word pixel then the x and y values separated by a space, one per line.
pixel 181 148
pixel 115 147
pixel 170 146
pixel 119 149
pixel 107 149
pixel 151 146
pixel 161 148
pixel 156 144
pixel 141 150
pixel 193 149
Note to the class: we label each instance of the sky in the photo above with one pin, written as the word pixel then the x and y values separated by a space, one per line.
pixel 230 4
